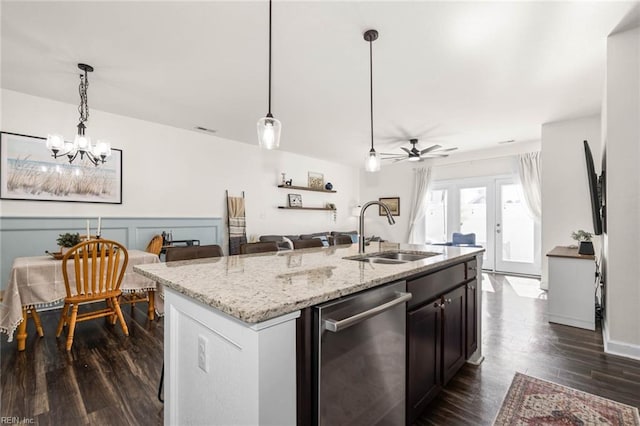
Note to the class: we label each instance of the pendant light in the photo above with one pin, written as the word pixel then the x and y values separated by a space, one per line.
pixel 372 163
pixel 97 154
pixel 268 126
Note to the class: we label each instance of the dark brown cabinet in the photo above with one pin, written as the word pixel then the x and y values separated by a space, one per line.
pixel 471 318
pixel 441 331
pixel 424 328
pixel 453 332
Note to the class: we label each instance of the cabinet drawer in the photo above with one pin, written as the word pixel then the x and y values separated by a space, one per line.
pixel 472 269
pixel 428 287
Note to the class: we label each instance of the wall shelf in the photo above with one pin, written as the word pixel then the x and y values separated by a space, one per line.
pixel 306 188
pixel 307 208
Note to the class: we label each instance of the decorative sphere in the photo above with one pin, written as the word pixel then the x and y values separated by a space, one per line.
pixel 328 186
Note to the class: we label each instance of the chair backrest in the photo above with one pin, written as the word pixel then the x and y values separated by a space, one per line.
pixel 155 245
pixel 263 247
pixel 458 238
pixel 193 252
pixel 313 242
pixel 342 239
pixel 99 266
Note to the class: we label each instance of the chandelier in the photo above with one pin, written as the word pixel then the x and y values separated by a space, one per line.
pixel 97 153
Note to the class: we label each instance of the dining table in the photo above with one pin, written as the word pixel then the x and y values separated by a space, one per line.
pixel 36 282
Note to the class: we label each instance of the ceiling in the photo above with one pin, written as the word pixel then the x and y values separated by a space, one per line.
pixel 464 75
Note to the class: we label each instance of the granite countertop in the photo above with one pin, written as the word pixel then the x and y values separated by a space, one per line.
pixel 255 288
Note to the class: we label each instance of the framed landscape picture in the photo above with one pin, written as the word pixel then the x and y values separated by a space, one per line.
pixel 394 206
pixel 316 180
pixel 29 172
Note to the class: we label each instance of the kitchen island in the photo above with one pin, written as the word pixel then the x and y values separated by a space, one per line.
pixel 233 324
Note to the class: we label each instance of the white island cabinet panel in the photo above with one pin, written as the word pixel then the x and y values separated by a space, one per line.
pixel 250 375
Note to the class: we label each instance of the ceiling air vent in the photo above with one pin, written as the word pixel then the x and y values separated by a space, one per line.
pixel 205 130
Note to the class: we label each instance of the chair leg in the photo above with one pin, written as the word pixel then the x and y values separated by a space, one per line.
pixel 63 319
pixel 72 326
pixel 116 306
pixel 151 295
pixel 36 321
pixel 112 318
pixel 22 330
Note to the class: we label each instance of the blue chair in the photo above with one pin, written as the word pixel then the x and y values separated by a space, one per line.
pixel 463 239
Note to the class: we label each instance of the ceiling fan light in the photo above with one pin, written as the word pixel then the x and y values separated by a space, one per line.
pixel 414 158
pixel 269 132
pixel 372 163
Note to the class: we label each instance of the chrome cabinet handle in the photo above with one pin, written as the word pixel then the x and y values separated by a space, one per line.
pixel 470 287
pixel 448 301
pixel 438 305
pixel 473 268
pixel 335 326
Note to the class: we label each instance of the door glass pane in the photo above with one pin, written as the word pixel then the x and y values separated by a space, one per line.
pixel 436 217
pixel 473 213
pixel 517 226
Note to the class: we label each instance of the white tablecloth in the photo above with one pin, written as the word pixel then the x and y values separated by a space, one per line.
pixel 38 281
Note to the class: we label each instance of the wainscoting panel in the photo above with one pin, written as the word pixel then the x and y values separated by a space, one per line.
pixel 31 236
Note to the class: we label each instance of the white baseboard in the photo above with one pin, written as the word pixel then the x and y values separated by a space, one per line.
pixel 618 348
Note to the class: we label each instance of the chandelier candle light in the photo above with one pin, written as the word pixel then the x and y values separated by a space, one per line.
pixel 82 143
pixel 268 126
pixel 373 159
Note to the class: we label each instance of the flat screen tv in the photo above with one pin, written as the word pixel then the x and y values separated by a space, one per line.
pixel 594 191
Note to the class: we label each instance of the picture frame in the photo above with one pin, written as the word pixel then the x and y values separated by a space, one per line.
pixel 316 180
pixel 28 172
pixel 393 203
pixel 295 200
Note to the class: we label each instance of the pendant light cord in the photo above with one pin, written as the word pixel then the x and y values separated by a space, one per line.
pixel 269 113
pixel 371 86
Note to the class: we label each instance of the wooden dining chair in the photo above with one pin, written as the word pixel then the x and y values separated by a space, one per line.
pixel 312 242
pixel 264 247
pixel 154 247
pixel 98 269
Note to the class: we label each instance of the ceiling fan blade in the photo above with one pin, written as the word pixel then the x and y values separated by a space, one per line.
pixel 431 148
pixel 448 149
pixel 405 150
pixel 435 155
pixel 398 160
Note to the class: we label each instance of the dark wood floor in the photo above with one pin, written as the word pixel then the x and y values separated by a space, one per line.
pixel 108 379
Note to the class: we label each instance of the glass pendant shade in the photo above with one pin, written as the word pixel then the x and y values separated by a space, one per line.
pixel 55 142
pixel 269 132
pixel 372 163
pixel 82 143
pixel 102 149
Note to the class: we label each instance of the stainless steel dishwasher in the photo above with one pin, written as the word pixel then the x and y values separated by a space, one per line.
pixel 360 358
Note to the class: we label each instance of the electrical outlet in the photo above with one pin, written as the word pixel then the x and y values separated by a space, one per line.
pixel 203 361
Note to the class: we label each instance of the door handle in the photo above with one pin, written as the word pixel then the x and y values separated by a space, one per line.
pixel 336 326
pixel 497 231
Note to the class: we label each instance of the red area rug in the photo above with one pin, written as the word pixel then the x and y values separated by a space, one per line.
pixel 532 401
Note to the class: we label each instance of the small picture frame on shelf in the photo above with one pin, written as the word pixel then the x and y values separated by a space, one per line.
pixel 316 180
pixel 394 206
pixel 295 200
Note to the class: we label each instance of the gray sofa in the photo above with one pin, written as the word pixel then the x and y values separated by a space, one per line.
pixel 327 237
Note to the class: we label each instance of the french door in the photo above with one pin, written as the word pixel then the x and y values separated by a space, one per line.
pixel 493 208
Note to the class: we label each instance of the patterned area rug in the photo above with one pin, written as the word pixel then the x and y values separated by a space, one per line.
pixel 532 401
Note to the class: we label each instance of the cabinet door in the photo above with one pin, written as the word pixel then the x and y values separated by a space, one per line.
pixel 423 358
pixel 453 333
pixel 471 318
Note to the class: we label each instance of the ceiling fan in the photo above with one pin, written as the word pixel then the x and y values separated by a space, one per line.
pixel 415 154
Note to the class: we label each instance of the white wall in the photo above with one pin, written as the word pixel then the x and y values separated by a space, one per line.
pixel 566 203
pixel 396 180
pixel 622 121
pixel 171 172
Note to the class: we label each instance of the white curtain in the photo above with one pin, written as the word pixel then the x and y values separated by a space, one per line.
pixel 422 181
pixel 529 173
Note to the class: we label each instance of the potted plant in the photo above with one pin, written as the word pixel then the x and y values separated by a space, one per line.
pixel 584 238
pixel 68 240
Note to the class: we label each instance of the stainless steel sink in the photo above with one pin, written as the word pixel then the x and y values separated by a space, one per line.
pixel 407 257
pixel 392 257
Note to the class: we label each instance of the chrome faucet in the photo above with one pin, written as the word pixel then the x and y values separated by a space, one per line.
pixel 361 225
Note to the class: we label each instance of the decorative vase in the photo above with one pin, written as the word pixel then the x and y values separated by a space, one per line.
pixel 586 247
pixel 328 186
